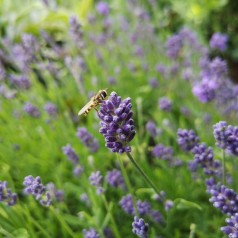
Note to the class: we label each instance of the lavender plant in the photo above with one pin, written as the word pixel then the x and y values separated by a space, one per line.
pixel 6 194
pixel 128 49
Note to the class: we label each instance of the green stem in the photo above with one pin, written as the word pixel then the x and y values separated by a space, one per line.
pixel 62 222
pixel 114 226
pixel 192 230
pixel 142 173
pixel 224 167
pixel 128 184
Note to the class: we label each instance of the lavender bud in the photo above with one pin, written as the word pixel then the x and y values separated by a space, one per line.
pixel 187 139
pixel 51 109
pixel 75 31
pixel 223 198
pixel 143 207
pixel 6 194
pixel 88 139
pixel 140 228
pixel 31 110
pixel 152 129
pixel 162 152
pixel 168 205
pixel 96 180
pixel 203 156
pixel 115 179
pixel 126 204
pixel 70 153
pixel 165 104
pixel 20 81
pixel 232 226
pixel 218 41
pixel 102 8
pixel 34 187
pixel 91 233
pixel 173 46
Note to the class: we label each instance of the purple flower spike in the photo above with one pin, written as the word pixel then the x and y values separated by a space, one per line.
pixel 226 137
pixel 232 226
pixel 117 124
pixel 187 139
pixel 91 233
pixel 140 228
pixel 205 90
pixel 203 156
pixel 102 8
pixel 143 207
pixel 20 81
pixel 219 41
pixel 88 139
pixel 6 194
pixel 162 152
pixel 76 32
pixel 223 198
pixel 165 104
pixel 31 110
pixel 152 129
pixel 34 187
pixel 51 109
pixel 96 180
pixel 127 204
pixel 115 179
pixel 173 46
pixel 70 153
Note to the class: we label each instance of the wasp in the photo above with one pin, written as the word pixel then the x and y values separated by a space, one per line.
pixel 94 102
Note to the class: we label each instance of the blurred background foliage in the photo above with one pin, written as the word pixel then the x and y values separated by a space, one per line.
pixel 207 17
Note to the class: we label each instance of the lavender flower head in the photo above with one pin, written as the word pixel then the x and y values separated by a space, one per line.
pixel 115 179
pixel 75 31
pixel 153 82
pixel 143 207
pixel 126 204
pixel 117 125
pixel 70 153
pixel 165 104
pixel 162 152
pixel 102 8
pixel 152 129
pixel 20 81
pixel 96 180
pixel 91 233
pixel 226 137
pixel 51 109
pixel 232 226
pixel 218 41
pixel 168 205
pixel 37 189
pixel 88 139
pixel 220 134
pixel 205 90
pixel 140 228
pixel 203 156
pixel 187 139
pixel 173 46
pixel 31 110
pixel 6 194
pixel 223 198
pixel 78 170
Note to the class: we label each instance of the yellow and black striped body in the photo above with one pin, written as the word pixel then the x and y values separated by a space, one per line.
pixel 94 102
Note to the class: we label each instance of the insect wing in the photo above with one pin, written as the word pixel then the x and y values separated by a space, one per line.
pixel 85 108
